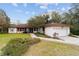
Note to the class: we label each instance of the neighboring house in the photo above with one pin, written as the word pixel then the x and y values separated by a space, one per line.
pixel 53 29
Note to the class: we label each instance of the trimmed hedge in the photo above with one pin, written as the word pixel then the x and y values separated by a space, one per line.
pixel 18 46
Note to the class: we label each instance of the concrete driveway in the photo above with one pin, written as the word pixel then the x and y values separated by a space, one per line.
pixel 71 40
pixel 66 39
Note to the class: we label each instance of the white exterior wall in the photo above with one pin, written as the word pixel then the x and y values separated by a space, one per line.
pixel 62 31
pixel 12 30
pixel 34 31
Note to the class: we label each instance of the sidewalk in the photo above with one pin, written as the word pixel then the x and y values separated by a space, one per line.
pixel 56 40
pixel 33 35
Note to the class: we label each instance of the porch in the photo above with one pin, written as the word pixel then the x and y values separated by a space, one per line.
pixel 30 30
pixel 23 28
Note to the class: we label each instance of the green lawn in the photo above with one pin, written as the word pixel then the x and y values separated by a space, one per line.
pixel 9 36
pixel 5 38
pixel 47 48
pixel 41 35
pixel 43 48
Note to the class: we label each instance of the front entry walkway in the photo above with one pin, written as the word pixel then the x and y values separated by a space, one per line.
pixel 67 40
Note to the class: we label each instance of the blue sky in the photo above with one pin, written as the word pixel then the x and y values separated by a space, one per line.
pixel 23 11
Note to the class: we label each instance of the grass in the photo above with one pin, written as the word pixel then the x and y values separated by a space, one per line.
pixel 18 46
pixel 5 38
pixel 43 48
pixel 47 48
pixel 41 35
pixel 9 36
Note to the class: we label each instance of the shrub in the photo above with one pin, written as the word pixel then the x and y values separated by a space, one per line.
pixel 18 46
pixel 75 31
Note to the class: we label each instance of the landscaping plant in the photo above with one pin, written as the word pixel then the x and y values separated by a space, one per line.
pixel 18 46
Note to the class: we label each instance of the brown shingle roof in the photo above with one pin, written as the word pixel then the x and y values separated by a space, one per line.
pixel 22 25
pixel 19 26
pixel 47 25
pixel 12 25
pixel 56 25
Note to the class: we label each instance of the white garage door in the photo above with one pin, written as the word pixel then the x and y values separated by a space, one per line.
pixel 62 31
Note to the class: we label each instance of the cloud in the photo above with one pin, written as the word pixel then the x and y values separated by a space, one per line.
pixel 43 7
pixel 15 4
pixel 63 9
pixel 24 4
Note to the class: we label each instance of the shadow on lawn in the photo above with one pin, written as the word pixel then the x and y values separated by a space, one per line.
pixel 18 46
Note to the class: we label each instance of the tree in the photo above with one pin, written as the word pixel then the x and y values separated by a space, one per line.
pixel 75 12
pixel 31 22
pixel 38 21
pixel 68 18
pixel 4 21
pixel 55 17
pixel 73 18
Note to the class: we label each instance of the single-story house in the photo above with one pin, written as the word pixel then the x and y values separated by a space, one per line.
pixel 52 29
